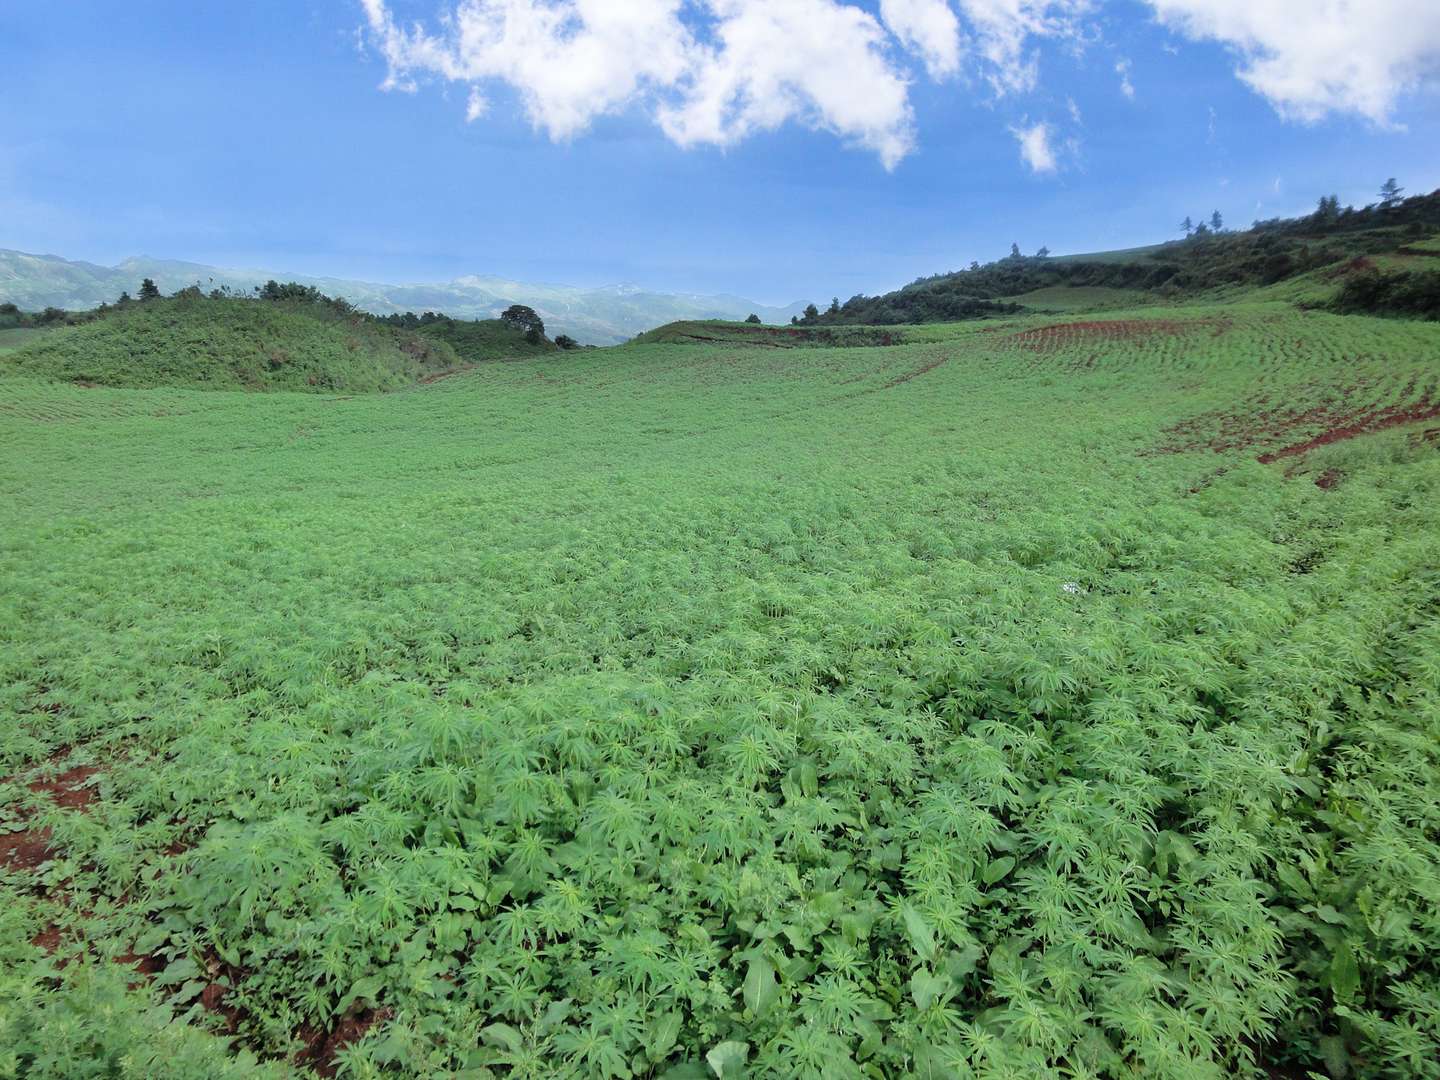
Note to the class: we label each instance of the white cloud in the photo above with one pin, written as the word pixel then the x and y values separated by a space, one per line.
pixel 927 27
pixel 1004 31
pixel 1322 57
pixel 1122 68
pixel 712 72
pixel 1035 148
pixel 772 61
pixel 761 63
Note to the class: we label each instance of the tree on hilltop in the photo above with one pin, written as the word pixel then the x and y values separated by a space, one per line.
pixel 149 290
pixel 811 312
pixel 1015 252
pixel 753 318
pixel 1217 223
pixel 525 319
pixel 1043 253
pixel 1187 226
pixel 834 308
pixel 1390 193
pixel 565 341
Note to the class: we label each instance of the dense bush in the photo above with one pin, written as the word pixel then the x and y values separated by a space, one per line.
pixel 1413 294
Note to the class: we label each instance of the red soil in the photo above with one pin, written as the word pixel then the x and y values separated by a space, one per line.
pixel 1361 424
pixel 322 1046
pixel 26 850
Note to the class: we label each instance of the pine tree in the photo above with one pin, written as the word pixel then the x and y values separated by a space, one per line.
pixel 149 290
pixel 1217 223
pixel 1015 251
pixel 1187 226
pixel 1390 193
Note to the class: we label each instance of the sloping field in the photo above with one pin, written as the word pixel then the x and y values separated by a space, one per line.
pixel 977 707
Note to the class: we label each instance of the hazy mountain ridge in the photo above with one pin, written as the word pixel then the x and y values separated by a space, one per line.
pixel 597 316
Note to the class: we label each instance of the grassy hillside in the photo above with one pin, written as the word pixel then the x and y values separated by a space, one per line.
pixel 1377 260
pixel 1043 697
pixel 232 344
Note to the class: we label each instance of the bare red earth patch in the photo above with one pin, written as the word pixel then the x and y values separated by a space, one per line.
pixel 69 790
pixel 322 1046
pixel 1361 424
pixel 26 850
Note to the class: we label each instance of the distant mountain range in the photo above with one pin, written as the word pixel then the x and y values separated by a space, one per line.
pixel 602 316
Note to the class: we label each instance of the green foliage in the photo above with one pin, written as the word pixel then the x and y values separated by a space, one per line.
pixel 976 706
pixel 233 344
pixel 483 339
pixel 1412 294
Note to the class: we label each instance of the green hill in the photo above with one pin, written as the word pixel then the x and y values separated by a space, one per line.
pixel 1376 260
pixel 233 344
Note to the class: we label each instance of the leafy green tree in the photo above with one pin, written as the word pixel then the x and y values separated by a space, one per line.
pixel 525 319
pixel 565 341
pixel 1390 193
pixel 1043 253
pixel 834 308
pixel 149 290
pixel 811 313
pixel 753 318
pixel 1015 251
pixel 125 298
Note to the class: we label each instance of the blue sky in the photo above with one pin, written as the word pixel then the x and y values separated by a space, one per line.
pixel 853 147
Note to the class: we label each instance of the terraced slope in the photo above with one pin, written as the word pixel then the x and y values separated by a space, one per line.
pixel 984 705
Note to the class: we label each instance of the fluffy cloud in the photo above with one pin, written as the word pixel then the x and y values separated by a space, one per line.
pixel 712 72
pixel 927 27
pixel 1326 56
pixel 777 60
pixel 1035 148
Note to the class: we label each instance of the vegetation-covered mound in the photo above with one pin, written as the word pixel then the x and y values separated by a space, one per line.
pixel 233 344
pixel 479 340
pixel 1052 697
